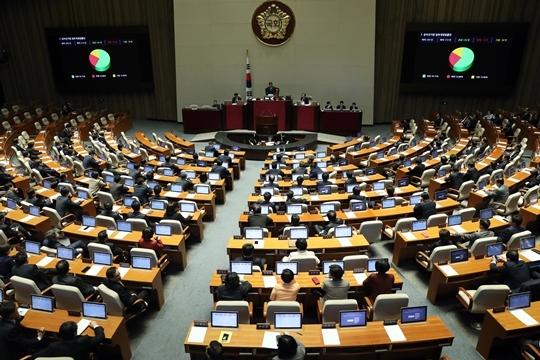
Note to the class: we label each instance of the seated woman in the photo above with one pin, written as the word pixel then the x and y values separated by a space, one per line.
pixel 233 289
pixel 379 282
pixel 147 242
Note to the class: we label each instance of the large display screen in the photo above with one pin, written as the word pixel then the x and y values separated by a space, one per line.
pixel 462 58
pixel 101 59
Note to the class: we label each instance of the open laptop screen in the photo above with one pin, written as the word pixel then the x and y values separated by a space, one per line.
pixel 388 203
pixel 124 226
pixel 101 258
pixel 64 253
pixel 494 249
pixel 141 262
pixel 163 230
pixel 326 265
pixel 157 205
pixel 187 207
pixel 352 318
pixel 370 171
pixel 287 320
pixel 419 225
pixel 89 221
pixel 43 303
pixel 413 314
pixel 486 214
pixel 282 265
pixel 527 243
pixel 441 195
pixel 415 199
pixel 519 300
pixel 343 231
pixel 459 255
pixel 32 247
pixel 454 220
pixel 242 267
pixel 403 182
pixel 294 209
pixel 299 233
pixel 94 310
pixel 359 206
pixel 224 319
pixel 327 207
pixel 253 233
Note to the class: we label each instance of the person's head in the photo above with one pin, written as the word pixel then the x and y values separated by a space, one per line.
pixel 506 158
pixel 499 182
pixel 512 255
pixel 303 94
pixel 287 347
pixel 120 147
pixel 2 216
pixel 113 274
pixel 103 236
pixel 444 160
pixel 356 190
pixel 279 157
pixel 290 195
pixel 270 84
pixel 287 276
pixel 232 280
pixel 9 310
pixel 274 165
pixel 382 266
pixel 135 205
pixel 470 164
pixel 157 190
pixel 21 258
pixel 425 196
pixel 51 235
pixel 31 192
pixel 295 220
pixel 353 104
pixel 235 94
pixel 300 180
pixel 195 156
pixel 331 215
pixel 215 102
pixel 5 249
pixel 171 208
pixel 219 162
pixel 108 206
pixel 267 196
pixel 444 235
pixel 484 224
pixel 328 103
pixel 390 190
pixel 64 191
pixel 214 350
pixel 325 176
pixel 62 267
pixel 68 331
pixel 183 175
pixel 516 220
pixel 349 174
pixel 301 244
pixel 30 145
pixel 271 178
pixel 147 233
pixel 247 250
pixel 341 102
pixel 203 177
pixel 336 272
pixel 418 160
pixel 256 209
pixel 456 169
pixel 453 158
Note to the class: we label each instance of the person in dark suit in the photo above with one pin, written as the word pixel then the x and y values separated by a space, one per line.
pixel 270 89
pixel 220 169
pixel 418 169
pixel 514 228
pixel 472 173
pixel 216 106
pixel 210 148
pixel 294 200
pixel 184 181
pixel 128 298
pixel 438 120
pixel 514 271
pixel 341 106
pixel 141 191
pixel 295 221
pixel 271 182
pixel 324 181
pixel 6 262
pixel 136 172
pixel 225 157
pixel 274 170
pixel 328 106
pixel 13 229
pixel 236 98
pixel 234 288
pixel 302 168
pixel 64 278
pixel 14 344
pixel 89 162
pixel 526 116
pixel 157 194
pixel 31 150
pixel 425 208
pixel 137 214
pixel 117 188
pixel 254 139
pixel 103 238
pixel 247 255
pixel 267 197
pixel 172 214
pixel 31 272
pixel 315 171
pixel 37 201
pixel 17 146
pixel 4 178
pixel 169 164
pixel 505 160
pixel 514 154
pixel 353 107
pixel 258 219
pixel 333 221
pixel 444 240
pixel 51 240
pixel 67 134
pixel 304 99
pixel 535 181
pixel 455 179
pixel 76 347
pixel 483 145
pixel 351 179
pixel 65 206
pixel 108 211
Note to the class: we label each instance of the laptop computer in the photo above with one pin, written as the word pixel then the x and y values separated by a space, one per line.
pixel 494 249
pixel 288 320
pixel 181 161
pixel 42 303
pixel 343 162
pixel 209 154
pixel 191 151
pixel 326 265
pixel 213 176
pixel 265 209
pixel 163 230
pixel 459 255
pixel 419 225
pixel 81 194
pixel 282 265
pixel 101 258
pixel 527 243
pixel 533 199
pixel 217 146
pixel 128 200
pixel 94 310
pixel 294 209
pixel 370 171
pixel 442 172
pixel 481 184
pixel 148 168
pixel 12 204
pixel 64 253
pixel 350 187
pixel 454 220
pixel 301 148
pixel 352 318
pixel 300 156
pixel 519 300
pixel 47 184
pixel 162 159
pixel 152 184
pixel 191 174
pixel 129 182
pixel 388 203
pixel 201 163
pixel 511 172
pixel 359 206
pixel 325 208
pixel 297 190
pixel 34 210
pixel 393 151
pixel 141 262
pixel 380 155
pixel 254 233
pixel 168 172
pixel 32 247
pixel 357 147
pixel 224 319
pixel 124 226
pixel 299 233
pixel 321 154
pixel 177 188
pixel 241 267
pixel 158 204
pixel 187 207
pixel 324 190
pixel 130 165
pixel 486 214
pixel 109 178
pixel 413 314
pixel 343 231
pixel 407 162
pixel 441 195
pixel 403 182
pixel 88 221
pixel 378 186
pixel 235 148
pixel 415 199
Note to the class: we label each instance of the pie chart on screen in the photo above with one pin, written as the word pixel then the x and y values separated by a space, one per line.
pixel 461 59
pixel 100 60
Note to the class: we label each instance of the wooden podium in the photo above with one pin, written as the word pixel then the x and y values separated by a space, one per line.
pixel 266 125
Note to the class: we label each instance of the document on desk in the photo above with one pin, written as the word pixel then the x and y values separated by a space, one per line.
pixel 259 244
pixel 360 278
pixel 398 190
pixel 437 205
pixel 94 270
pixel 364 178
pixel 145 211
pixel 350 215
pixel 197 334
pixel 394 333
pixel 120 235
pixel 22 311
pixel 270 340
pixel 513 180
pixel 529 254
pixel 525 318
pixel 190 196
pixel 345 241
pixel 26 218
pixel 501 218
pixel 82 325
pixel 45 261
pixel 315 198
pixel 330 337
pixel 481 163
pixel 276 199
pixel 337 168
pixel 123 270
pixel 269 281
pixel 536 206
pixel 409 235
pixel 171 194
pixel 41 190
pixel 448 270
pixel 459 229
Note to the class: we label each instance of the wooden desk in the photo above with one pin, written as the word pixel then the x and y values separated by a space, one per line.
pixel 87 206
pixel 503 326
pixel 179 142
pixel 424 340
pixel 529 214
pixel 116 334
pixel 123 122
pixel 407 249
pixel 515 181
pixel 421 147
pixel 355 157
pixel 150 145
pixel 175 245
pixel 39 225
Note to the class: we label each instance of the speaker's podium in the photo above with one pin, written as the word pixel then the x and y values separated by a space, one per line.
pixel 235 115
pixel 266 125
pixel 281 110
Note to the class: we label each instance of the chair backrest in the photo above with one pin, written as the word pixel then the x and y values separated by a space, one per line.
pixel 488 297
pixel 533 286
pixel 79 168
pixel 107 221
pixel 46 121
pixel 138 224
pixel 241 306
pixel 104 197
pixel 426 177
pixel 24 288
pixel 331 309
pixel 110 117
pixel 115 306
pixel 512 204
pixel 53 216
pixel 38 126
pixel 467 214
pixel 404 223
pixel 68 186
pixel 465 190
pixel 479 246
pixel 494 175
pixel 97 247
pixel 176 225
pixel 67 297
pixel 146 252
pixel 306 264
pixel 287 230
pixel 73 122
pixel 440 253
pixel 514 242
pixel 280 306
pixel 37 177
pixel 388 306
pixel 352 262
pixel 371 230
pixel 436 219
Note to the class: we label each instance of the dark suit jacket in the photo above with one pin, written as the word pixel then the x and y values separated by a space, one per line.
pixel 331 224
pixel 90 162
pixel 423 210
pixel 37 202
pixel 175 216
pixel 114 214
pixel 513 274
pixel 315 172
pixel 142 192
pixel 118 190
pixel 78 349
pixel 13 343
pixel 437 244
pixel 270 90
pixel 5 178
pixel 275 172
pixel 324 183
pixel 138 215
pixel 70 280
pixel 126 296
pixel 534 182
pixel 186 184
pixel 236 99
pixel 32 272
pixel 65 206
pixel 255 260
pixel 417 170
pixel 471 174
pixel 454 180
pixel 260 220
pixel 508 232
pixel 221 170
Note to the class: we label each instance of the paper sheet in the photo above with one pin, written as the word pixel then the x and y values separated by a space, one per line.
pixel 190 196
pixel 525 318
pixel 259 244
pixel 409 235
pixel 197 334
pixel 501 218
pixel 269 281
pixel 26 218
pixel 398 191
pixel 275 199
pixel 481 163
pixel 94 270
pixel 270 340
pixel 120 235
pixel 145 211
pixel 360 278
pixel 448 270
pixel 82 325
pixel 45 261
pixel 23 311
pixel 394 333
pixel 513 180
pixel 529 254
pixel 536 206
pixel 157 176
pixel 171 194
pixel 438 206
pixel 350 215
pixel 459 229
pixel 314 197
pixel 41 190
pixel 364 178
pixel 330 337
pixel 116 207
pixel 123 270
pixel 345 241
pixel 110 232
pixel 337 168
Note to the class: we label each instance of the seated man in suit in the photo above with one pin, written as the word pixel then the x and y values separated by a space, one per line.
pixel 128 298
pixel 73 346
pixel 341 106
pixel 335 287
pixel 425 208
pixel 301 253
pixel 236 98
pixel 108 206
pixel 514 271
pixel 333 221
pixel 64 278
pixel 315 171
pixel 247 255
pixel 357 196
pixel 14 344
pixel 444 240
pixel 271 182
pixel 454 180
pixel 418 169
pixel 157 194
pixel 216 106
pixel 505 161
pixel 233 288
pixel 103 238
pixel 351 179
pixel 325 181
pixel 4 177
pixel 258 219
pixel 535 181
pixel 12 193
pixel 328 106
pixel 295 221
pixel 67 134
pixel 270 89
pixel 210 148
pixel 472 173
pixel 137 214
pixel 482 232
pixel 225 157
pixel 51 240
pixel 514 228
pixel 184 181
pixel 117 188
pixel 353 107
pixel 291 199
pixel 220 169
pixel 13 230
pixel 64 205
pixel 136 172
pixel 275 170
pixel 31 272
pixel 267 197
pixel 141 191
pixel 89 162
pixel 499 194
pixel 170 165
pixel 37 201
pixel 301 169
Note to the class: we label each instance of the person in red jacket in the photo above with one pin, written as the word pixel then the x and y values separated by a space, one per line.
pixel 148 242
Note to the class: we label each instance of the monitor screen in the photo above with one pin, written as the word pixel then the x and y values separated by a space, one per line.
pixel 511 172
pixel 163 230
pixel 393 151
pixel 297 190
pixel 12 204
pixel 209 154
pixel 109 178
pixel 324 190
pixel 419 225
pixel 357 147
pixel 326 265
pixel 148 168
pixel 235 148
pixel 442 172
pixel 224 319
pixel 158 205
pixel 129 182
pixel 441 195
pixel 378 186
pixel 34 210
pixel 415 199
pixel 486 214
pixel 300 156
pixel 177 188
pixel 282 265
pixel 265 209
pixel 152 184
pixel 327 207
pixel 213 176
pixel 343 162
pixel 102 258
pixel 42 303
pixel 370 171
pixel 89 221
pixel 94 310
pixel 527 243
pixel 141 262
pixel 124 226
pixel 302 148
pixel 533 199
pixel 168 172
pixel 294 209
pixel 494 249
pixel 413 143
pixel 371 264
pixel 242 267
pixel 130 166
pixel 181 161
pixel 47 184
pixel 191 174
pixel 81 194
pixel 287 320
pixel 32 247
pixel 413 314
pixel 319 176
pixel 388 203
pixel 299 233
pixel 454 220
pixel 202 190
pixel 253 233
pixel 481 184
pixel 519 300
pixel 217 146
pixel 403 182
pixel 343 231
pixel 187 207
pixel 352 318
pixel 321 154
pixel 407 162
pixel 350 187
pixel 162 159
pixel 191 151
pixel 201 163
pixel 128 200
pixel 380 155
pixel 359 206
pixel 64 253
pixel 459 255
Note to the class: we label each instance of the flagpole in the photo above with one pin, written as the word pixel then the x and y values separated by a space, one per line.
pixel 249 92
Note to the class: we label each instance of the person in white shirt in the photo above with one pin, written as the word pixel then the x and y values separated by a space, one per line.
pixel 302 253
